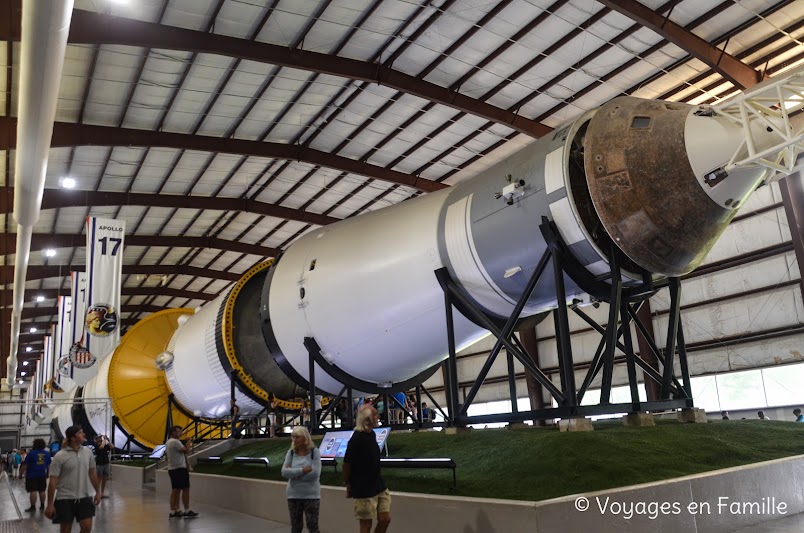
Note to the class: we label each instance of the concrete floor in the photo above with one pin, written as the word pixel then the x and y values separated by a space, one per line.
pixel 789 524
pixel 130 510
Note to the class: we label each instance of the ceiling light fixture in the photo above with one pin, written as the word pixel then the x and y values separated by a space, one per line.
pixel 40 298
pixel 68 183
pixel 50 252
pixel 28 349
pixel 25 363
pixel 32 330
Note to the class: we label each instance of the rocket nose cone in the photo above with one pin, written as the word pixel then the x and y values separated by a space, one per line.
pixel 643 187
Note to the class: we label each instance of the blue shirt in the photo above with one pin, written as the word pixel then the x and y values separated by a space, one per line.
pixel 36 463
pixel 800 418
pixel 303 486
pixel 402 399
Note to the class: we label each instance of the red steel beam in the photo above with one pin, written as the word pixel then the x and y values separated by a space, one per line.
pixel 66 134
pixel 52 294
pixel 728 66
pixel 40 241
pixel 57 271
pixel 95 28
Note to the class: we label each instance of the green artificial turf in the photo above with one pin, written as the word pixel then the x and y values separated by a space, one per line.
pixel 541 463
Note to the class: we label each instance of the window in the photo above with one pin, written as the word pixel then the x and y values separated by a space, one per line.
pixel 704 393
pixel 783 385
pixel 741 390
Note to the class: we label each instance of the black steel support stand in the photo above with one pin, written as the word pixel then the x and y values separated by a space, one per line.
pixel 419 405
pixel 313 415
pixel 351 412
pixel 566 366
pixel 452 363
pixel 623 302
pixel 169 417
pixel 512 382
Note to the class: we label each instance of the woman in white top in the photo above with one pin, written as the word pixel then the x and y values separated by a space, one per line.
pixel 302 468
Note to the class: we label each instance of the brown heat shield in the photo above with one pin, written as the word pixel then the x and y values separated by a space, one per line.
pixel 643 187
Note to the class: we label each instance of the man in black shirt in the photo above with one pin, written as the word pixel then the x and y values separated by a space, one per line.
pixel 361 473
pixel 102 449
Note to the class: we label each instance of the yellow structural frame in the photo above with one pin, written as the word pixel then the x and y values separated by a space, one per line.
pixel 227 333
pixel 138 390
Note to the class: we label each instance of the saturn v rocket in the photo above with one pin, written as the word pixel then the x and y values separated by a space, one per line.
pixel 651 178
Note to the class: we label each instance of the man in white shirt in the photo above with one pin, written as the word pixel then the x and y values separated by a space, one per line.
pixel 71 472
pixel 179 472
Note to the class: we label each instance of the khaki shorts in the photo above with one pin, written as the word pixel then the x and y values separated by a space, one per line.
pixel 369 508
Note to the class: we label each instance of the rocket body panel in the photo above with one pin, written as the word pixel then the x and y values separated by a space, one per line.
pixel 365 289
pixel 63 416
pixel 719 136
pixel 98 414
pixel 197 377
pixel 500 244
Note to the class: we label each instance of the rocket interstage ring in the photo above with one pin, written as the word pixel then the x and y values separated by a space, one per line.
pixel 242 343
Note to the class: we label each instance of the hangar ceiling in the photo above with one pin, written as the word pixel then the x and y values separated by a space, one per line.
pixel 223 130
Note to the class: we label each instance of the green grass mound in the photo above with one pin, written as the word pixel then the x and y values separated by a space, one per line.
pixel 539 463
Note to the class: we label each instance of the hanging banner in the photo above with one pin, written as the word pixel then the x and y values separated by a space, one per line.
pixel 63 339
pixel 51 362
pixel 79 295
pixel 45 366
pixel 81 364
pixel 38 383
pixel 104 280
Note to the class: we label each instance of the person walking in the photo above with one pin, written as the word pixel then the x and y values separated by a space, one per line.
pixel 273 407
pixel 234 413
pixel 361 473
pixel 302 469
pixel 16 461
pixel 102 450
pixel 71 473
pixel 35 468
pixel 179 472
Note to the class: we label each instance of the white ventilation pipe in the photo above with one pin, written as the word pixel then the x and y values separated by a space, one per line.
pixel 45 27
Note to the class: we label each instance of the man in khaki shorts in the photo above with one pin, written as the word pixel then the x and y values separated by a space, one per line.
pixel 361 472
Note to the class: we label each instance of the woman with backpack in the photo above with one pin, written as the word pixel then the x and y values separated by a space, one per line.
pixel 302 469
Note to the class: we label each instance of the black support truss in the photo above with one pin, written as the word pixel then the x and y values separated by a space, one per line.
pixel 616 335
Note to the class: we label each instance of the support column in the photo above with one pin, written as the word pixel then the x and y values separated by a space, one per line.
pixel 451 363
pixel 535 390
pixel 313 418
pixel 792 189
pixel 653 390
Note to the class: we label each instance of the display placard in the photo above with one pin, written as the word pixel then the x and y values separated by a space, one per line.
pixel 334 442
pixel 158 452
